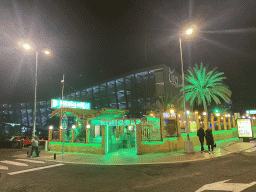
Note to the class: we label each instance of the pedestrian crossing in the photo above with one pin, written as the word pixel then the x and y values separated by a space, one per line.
pixel 17 165
pixel 3 167
pixel 29 160
pixel 13 163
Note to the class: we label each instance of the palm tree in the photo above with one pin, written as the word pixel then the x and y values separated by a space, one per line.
pixel 166 101
pixel 203 85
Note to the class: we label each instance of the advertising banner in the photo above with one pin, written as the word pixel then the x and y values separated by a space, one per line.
pixel 192 127
pixel 244 128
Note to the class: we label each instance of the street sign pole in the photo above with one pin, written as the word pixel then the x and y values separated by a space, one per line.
pixel 62 82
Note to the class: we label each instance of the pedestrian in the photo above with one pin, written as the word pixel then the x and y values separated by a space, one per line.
pixel 209 139
pixel 201 134
pixel 34 146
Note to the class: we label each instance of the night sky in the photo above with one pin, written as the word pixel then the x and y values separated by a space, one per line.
pixel 91 41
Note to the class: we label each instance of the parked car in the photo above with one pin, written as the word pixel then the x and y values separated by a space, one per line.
pixel 42 141
pixel 24 141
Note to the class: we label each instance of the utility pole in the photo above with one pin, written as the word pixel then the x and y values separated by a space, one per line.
pixel 62 82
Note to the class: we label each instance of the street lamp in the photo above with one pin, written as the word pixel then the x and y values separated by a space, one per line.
pixel 27 46
pixel 188 144
pixel 50 133
pixel 188 32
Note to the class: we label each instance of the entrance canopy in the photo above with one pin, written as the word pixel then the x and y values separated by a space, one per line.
pixel 104 113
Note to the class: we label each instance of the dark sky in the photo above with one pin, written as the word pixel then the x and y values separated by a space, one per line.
pixel 92 41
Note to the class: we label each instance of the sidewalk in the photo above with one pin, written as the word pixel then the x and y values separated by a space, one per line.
pixel 223 148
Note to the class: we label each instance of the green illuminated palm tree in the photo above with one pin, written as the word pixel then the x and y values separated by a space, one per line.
pixel 203 85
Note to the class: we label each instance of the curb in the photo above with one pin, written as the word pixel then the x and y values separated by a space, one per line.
pixel 150 163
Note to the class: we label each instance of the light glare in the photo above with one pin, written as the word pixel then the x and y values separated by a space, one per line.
pixel 26 46
pixel 47 52
pixel 189 31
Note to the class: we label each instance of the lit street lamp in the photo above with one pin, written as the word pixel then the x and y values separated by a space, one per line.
pixel 188 143
pixel 27 46
pixel 188 32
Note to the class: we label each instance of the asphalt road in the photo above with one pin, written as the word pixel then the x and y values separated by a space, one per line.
pixel 238 168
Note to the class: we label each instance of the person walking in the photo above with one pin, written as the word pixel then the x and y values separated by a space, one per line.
pixel 34 146
pixel 201 134
pixel 209 139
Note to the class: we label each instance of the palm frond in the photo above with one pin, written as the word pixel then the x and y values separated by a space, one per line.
pixel 202 86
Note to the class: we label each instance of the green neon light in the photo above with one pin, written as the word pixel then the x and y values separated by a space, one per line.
pixel 220 132
pixel 106 128
pixel 138 121
pixel 152 143
pixel 171 138
pixel 120 122
pixel 76 144
pixel 56 104
pixel 136 139
pixel 115 111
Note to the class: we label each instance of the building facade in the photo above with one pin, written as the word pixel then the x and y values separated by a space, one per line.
pixel 132 91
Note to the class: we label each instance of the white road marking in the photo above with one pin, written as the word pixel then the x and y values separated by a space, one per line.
pixel 222 186
pixel 13 163
pixel 3 167
pixel 29 160
pixel 34 169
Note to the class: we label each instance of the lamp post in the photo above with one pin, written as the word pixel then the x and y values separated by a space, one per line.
pixel 50 133
pixel 188 144
pixel 188 32
pixel 27 46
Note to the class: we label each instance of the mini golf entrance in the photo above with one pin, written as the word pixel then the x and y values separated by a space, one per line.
pixel 99 132
pixel 120 136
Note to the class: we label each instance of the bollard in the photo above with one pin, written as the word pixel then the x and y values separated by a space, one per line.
pixel 54 155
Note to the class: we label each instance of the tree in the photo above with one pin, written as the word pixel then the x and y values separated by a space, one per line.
pixel 203 85
pixel 165 100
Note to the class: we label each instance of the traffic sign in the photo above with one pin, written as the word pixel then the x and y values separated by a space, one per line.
pixel 65 116
pixel 64 123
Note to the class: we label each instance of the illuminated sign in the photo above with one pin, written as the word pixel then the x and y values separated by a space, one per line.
pixel 120 122
pixel 173 78
pixel 251 111
pixel 166 115
pixel 192 127
pixel 169 115
pixel 244 128
pixel 56 104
